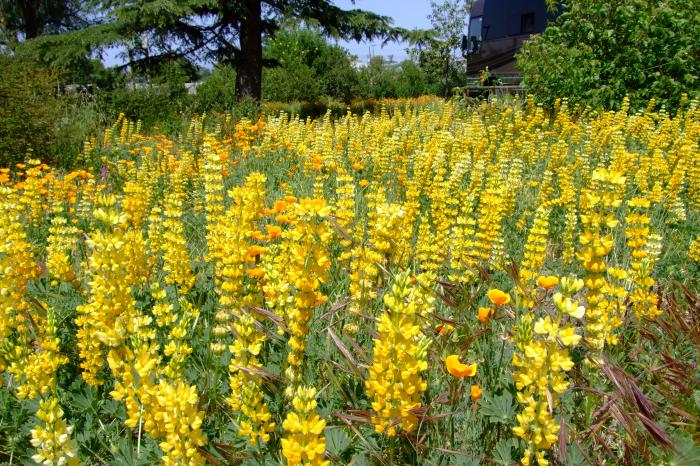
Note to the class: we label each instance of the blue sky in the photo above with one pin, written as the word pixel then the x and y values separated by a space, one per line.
pixel 408 14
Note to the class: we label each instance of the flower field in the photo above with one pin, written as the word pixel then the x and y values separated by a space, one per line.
pixel 428 284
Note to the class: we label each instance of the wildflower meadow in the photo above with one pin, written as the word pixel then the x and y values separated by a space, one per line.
pixel 431 283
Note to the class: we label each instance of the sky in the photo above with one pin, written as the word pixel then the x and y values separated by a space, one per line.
pixel 408 14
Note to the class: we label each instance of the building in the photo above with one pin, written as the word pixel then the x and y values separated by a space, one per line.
pixel 497 30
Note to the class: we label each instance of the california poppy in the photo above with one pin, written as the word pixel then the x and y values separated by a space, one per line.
pixel 498 297
pixel 476 392
pixel 458 369
pixel 484 313
pixel 547 282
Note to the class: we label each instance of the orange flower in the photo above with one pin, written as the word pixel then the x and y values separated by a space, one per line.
pixel 273 231
pixel 458 369
pixel 476 392
pixel 256 272
pixel 547 282
pixel 498 297
pixel 282 218
pixel 357 166
pixel 364 183
pixel 484 314
pixel 255 250
pixel 257 234
pixel 444 329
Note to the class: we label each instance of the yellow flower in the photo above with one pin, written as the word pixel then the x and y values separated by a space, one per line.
pixel 458 369
pixel 498 297
pixel 547 282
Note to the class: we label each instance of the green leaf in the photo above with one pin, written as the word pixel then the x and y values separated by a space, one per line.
pixel 574 456
pixel 504 452
pixel 499 409
pixel 337 441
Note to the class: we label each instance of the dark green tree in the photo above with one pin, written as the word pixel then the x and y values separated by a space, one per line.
pixel 598 51
pixel 27 19
pixel 227 31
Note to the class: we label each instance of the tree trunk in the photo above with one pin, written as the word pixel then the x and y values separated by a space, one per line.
pixel 249 66
pixel 31 20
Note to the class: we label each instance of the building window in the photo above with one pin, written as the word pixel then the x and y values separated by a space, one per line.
pixel 527 23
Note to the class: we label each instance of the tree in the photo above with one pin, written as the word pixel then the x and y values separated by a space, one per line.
pixel 27 19
pixel 306 67
pixel 226 31
pixel 598 51
pixel 437 50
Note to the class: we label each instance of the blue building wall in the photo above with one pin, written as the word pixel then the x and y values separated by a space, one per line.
pixel 504 18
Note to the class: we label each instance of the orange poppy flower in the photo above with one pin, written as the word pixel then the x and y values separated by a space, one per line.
pixel 273 231
pixel 357 166
pixel 257 234
pixel 458 369
pixel 256 272
pixel 498 297
pixel 364 183
pixel 476 392
pixel 547 282
pixel 255 250
pixel 444 329
pixel 484 313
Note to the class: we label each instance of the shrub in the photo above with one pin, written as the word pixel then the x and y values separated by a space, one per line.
pixel 217 91
pixel 597 52
pixel 27 115
pixel 36 120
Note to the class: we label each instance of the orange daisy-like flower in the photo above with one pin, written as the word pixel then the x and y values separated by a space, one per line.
pixel 476 392
pixel 357 166
pixel 484 313
pixel 547 282
pixel 364 183
pixel 458 369
pixel 498 297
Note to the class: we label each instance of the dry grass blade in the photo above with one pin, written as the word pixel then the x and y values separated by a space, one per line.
pixel 334 309
pixel 261 372
pixel 352 418
pixel 274 318
pixel 657 432
pixel 343 350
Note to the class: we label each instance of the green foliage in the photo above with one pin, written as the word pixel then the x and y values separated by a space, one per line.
pixel 160 100
pixel 217 91
pixel 436 50
pixel 597 52
pixel 29 105
pixel 308 67
pixel 158 30
pixel 29 18
pixel 498 409
pixel 35 121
